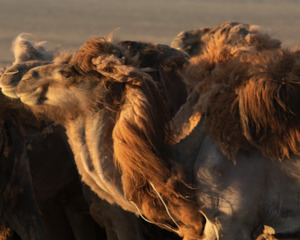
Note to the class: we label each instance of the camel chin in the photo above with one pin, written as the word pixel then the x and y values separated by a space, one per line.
pixel 9 92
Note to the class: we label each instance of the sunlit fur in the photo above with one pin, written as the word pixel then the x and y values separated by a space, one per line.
pixel 235 35
pixel 248 94
pixel 117 123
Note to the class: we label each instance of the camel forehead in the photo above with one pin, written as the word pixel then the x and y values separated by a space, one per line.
pixel 54 75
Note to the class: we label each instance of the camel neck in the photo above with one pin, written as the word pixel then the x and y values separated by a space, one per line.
pixel 91 143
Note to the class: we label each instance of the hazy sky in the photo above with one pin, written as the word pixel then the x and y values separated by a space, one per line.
pixel 69 23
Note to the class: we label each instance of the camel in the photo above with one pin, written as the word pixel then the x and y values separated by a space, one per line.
pixel 162 70
pixel 233 46
pixel 245 88
pixel 106 95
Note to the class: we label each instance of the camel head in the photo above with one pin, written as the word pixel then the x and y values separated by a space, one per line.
pixel 12 75
pixel 28 53
pixel 60 86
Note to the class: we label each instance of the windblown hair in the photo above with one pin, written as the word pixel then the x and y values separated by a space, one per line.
pixel 249 95
pixel 140 135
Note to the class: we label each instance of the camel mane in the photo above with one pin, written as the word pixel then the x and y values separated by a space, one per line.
pixel 249 96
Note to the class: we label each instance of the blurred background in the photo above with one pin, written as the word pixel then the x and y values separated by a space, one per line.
pixel 67 24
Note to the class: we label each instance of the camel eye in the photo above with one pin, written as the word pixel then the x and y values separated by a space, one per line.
pixel 66 74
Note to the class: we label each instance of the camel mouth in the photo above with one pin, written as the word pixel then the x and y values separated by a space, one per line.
pixel 34 97
pixel 9 92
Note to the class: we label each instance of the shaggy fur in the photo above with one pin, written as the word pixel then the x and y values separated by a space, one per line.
pixel 107 100
pixel 236 35
pixel 248 94
pixel 227 41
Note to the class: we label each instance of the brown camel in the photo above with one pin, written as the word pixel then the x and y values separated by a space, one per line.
pixel 117 124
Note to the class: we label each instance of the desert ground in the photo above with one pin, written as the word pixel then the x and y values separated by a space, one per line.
pixel 67 24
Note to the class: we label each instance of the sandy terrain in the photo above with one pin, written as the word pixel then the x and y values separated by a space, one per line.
pixel 69 23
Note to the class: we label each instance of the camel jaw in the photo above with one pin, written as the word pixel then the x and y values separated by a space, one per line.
pixel 9 92
pixel 9 84
pixel 32 98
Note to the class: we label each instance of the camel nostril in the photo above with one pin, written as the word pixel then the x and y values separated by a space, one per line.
pixel 34 74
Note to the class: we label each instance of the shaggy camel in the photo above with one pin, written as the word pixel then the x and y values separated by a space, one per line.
pixel 245 87
pixel 124 226
pixel 112 109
